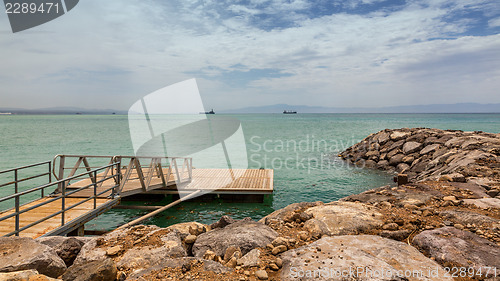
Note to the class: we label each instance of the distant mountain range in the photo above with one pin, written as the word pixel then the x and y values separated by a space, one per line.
pixel 62 110
pixel 278 108
pixel 431 108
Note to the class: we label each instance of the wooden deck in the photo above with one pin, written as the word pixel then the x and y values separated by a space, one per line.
pixel 73 217
pixel 223 181
pixel 231 181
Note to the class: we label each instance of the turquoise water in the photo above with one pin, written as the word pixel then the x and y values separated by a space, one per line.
pixel 301 148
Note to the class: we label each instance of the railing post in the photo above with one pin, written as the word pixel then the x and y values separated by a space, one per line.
pixel 95 190
pixel 16 186
pixel 118 183
pixel 61 172
pixel 63 185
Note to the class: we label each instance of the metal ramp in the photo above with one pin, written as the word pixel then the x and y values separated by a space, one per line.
pixel 65 205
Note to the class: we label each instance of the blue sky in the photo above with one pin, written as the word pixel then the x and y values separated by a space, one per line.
pixel 354 53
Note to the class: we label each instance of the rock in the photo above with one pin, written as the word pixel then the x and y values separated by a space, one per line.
pixel 484 203
pixel 189 228
pixel 402 167
pixel 250 259
pixel 180 263
pixel 450 245
pixel 279 241
pixel 303 235
pixel 232 251
pixel 232 262
pixel 429 149
pixel 411 147
pixel 493 192
pixel 22 275
pixel 104 270
pixel 279 249
pixel 190 239
pixel 455 177
pixel 261 274
pixel 223 222
pixel 469 217
pixel 390 226
pixel 398 235
pixel 152 245
pixel 383 164
pixel 287 214
pixel 382 137
pixel 245 234
pixel 342 218
pixel 396 159
pixel 459 226
pixel 408 159
pixel 113 250
pixel 209 255
pixel 25 253
pixel 449 198
pixel 364 252
pixel 398 135
pixel 67 248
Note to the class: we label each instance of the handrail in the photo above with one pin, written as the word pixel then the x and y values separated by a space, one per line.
pixel 63 195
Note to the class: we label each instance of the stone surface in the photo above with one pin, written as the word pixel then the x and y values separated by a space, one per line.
pixel 462 248
pixel 342 218
pixel 469 217
pixel 22 275
pixel 429 149
pixel 177 263
pixel 366 252
pixel 187 228
pixel 152 245
pixel 261 274
pixel 250 259
pixel 67 248
pixel 289 213
pixel 484 203
pixel 190 239
pixel 245 234
pixel 25 253
pixel 102 270
pixel 411 147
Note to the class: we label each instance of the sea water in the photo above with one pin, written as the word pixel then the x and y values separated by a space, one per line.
pixel 301 148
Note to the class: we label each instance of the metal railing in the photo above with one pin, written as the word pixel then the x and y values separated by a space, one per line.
pixel 141 168
pixel 62 195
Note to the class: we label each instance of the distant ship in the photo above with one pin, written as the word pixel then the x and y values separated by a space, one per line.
pixel 208 112
pixel 289 112
pixel 5 113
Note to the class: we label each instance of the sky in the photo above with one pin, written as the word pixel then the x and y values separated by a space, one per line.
pixel 334 53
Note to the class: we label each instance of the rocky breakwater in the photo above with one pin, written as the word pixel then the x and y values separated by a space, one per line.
pixel 433 154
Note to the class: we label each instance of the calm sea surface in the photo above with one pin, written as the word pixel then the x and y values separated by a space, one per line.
pixel 301 148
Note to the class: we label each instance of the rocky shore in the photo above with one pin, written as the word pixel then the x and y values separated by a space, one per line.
pixel 443 224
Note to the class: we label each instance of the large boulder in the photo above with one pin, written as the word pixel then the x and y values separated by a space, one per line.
pixel 245 234
pixel 342 218
pixel 358 257
pixel 67 248
pixel 104 270
pixel 134 248
pixel 449 245
pixel 25 253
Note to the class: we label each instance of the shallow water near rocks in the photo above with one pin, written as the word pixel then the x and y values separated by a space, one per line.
pixel 301 149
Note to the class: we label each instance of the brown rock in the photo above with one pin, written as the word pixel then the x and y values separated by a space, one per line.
pixel 279 249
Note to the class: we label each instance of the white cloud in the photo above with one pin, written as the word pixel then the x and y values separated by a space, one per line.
pixel 111 56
